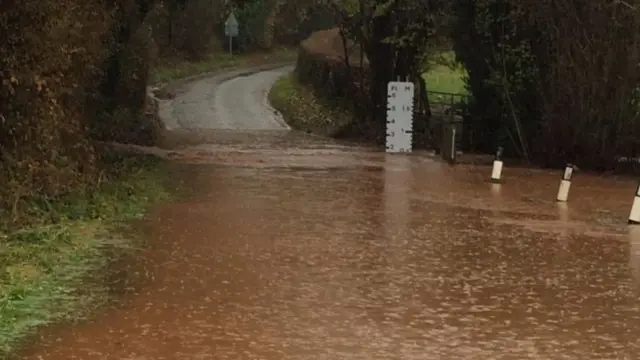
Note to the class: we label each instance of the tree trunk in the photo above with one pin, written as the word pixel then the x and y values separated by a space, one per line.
pixel 380 57
pixel 269 26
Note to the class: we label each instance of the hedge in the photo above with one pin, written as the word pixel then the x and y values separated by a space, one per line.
pixel 321 65
pixel 73 71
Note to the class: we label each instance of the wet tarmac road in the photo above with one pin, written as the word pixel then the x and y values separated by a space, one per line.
pixel 220 102
pixel 295 247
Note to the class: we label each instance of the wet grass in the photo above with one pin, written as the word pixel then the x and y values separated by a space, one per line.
pixel 47 263
pixel 178 68
pixel 445 75
pixel 303 109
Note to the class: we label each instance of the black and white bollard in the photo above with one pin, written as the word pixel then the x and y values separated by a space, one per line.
pixel 565 184
pixel 634 216
pixel 496 172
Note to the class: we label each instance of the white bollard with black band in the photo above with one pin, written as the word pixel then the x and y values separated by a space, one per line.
pixel 634 216
pixel 565 184
pixel 496 172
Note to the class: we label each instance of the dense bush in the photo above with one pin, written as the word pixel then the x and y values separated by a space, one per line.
pixel 321 64
pixel 554 81
pixel 297 20
pixel 195 29
pixel 251 17
pixel 50 57
pixel 71 70
pixel 265 23
pixel 161 23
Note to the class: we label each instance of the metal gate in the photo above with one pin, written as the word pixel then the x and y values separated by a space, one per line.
pixel 446 123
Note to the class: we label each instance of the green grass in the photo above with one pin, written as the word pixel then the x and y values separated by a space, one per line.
pixel 174 69
pixel 445 75
pixel 46 266
pixel 304 110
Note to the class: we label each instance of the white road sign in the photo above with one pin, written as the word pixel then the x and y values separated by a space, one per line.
pixel 231 26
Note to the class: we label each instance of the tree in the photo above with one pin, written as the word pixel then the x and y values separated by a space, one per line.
pixel 394 35
pixel 555 80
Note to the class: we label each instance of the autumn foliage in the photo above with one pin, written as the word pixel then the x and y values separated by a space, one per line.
pixel 51 54
pixel 73 71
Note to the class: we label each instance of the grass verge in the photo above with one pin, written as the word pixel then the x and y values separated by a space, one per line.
pixel 45 266
pixel 303 109
pixel 174 69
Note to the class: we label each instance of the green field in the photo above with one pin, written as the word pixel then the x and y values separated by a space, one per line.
pixel 444 75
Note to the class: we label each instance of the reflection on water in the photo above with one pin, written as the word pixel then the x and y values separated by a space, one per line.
pixel 353 254
pixel 495 189
pixel 634 254
pixel 563 211
pixel 397 191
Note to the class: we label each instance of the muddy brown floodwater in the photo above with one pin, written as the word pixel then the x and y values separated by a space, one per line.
pixel 298 248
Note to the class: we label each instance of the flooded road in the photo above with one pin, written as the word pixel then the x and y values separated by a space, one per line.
pixel 294 247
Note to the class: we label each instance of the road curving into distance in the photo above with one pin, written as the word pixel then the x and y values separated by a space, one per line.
pixel 223 103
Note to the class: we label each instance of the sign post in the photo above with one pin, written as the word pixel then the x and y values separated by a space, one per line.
pixel 231 30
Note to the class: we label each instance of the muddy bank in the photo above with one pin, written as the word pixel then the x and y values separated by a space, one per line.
pixel 304 110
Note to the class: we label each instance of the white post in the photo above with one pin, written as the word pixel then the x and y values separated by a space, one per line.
pixel 565 184
pixel 634 215
pixel 496 172
pixel 453 143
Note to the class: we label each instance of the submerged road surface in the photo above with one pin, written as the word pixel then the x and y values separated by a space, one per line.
pixel 294 247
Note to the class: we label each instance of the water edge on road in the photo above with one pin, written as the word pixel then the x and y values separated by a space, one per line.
pixel 306 249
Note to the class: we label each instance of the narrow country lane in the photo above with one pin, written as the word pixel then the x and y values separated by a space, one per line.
pixel 217 102
pixel 297 247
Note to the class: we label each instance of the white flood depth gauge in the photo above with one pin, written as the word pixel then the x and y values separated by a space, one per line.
pixel 399 116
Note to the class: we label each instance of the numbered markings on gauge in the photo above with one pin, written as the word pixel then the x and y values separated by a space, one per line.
pixel 399 116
